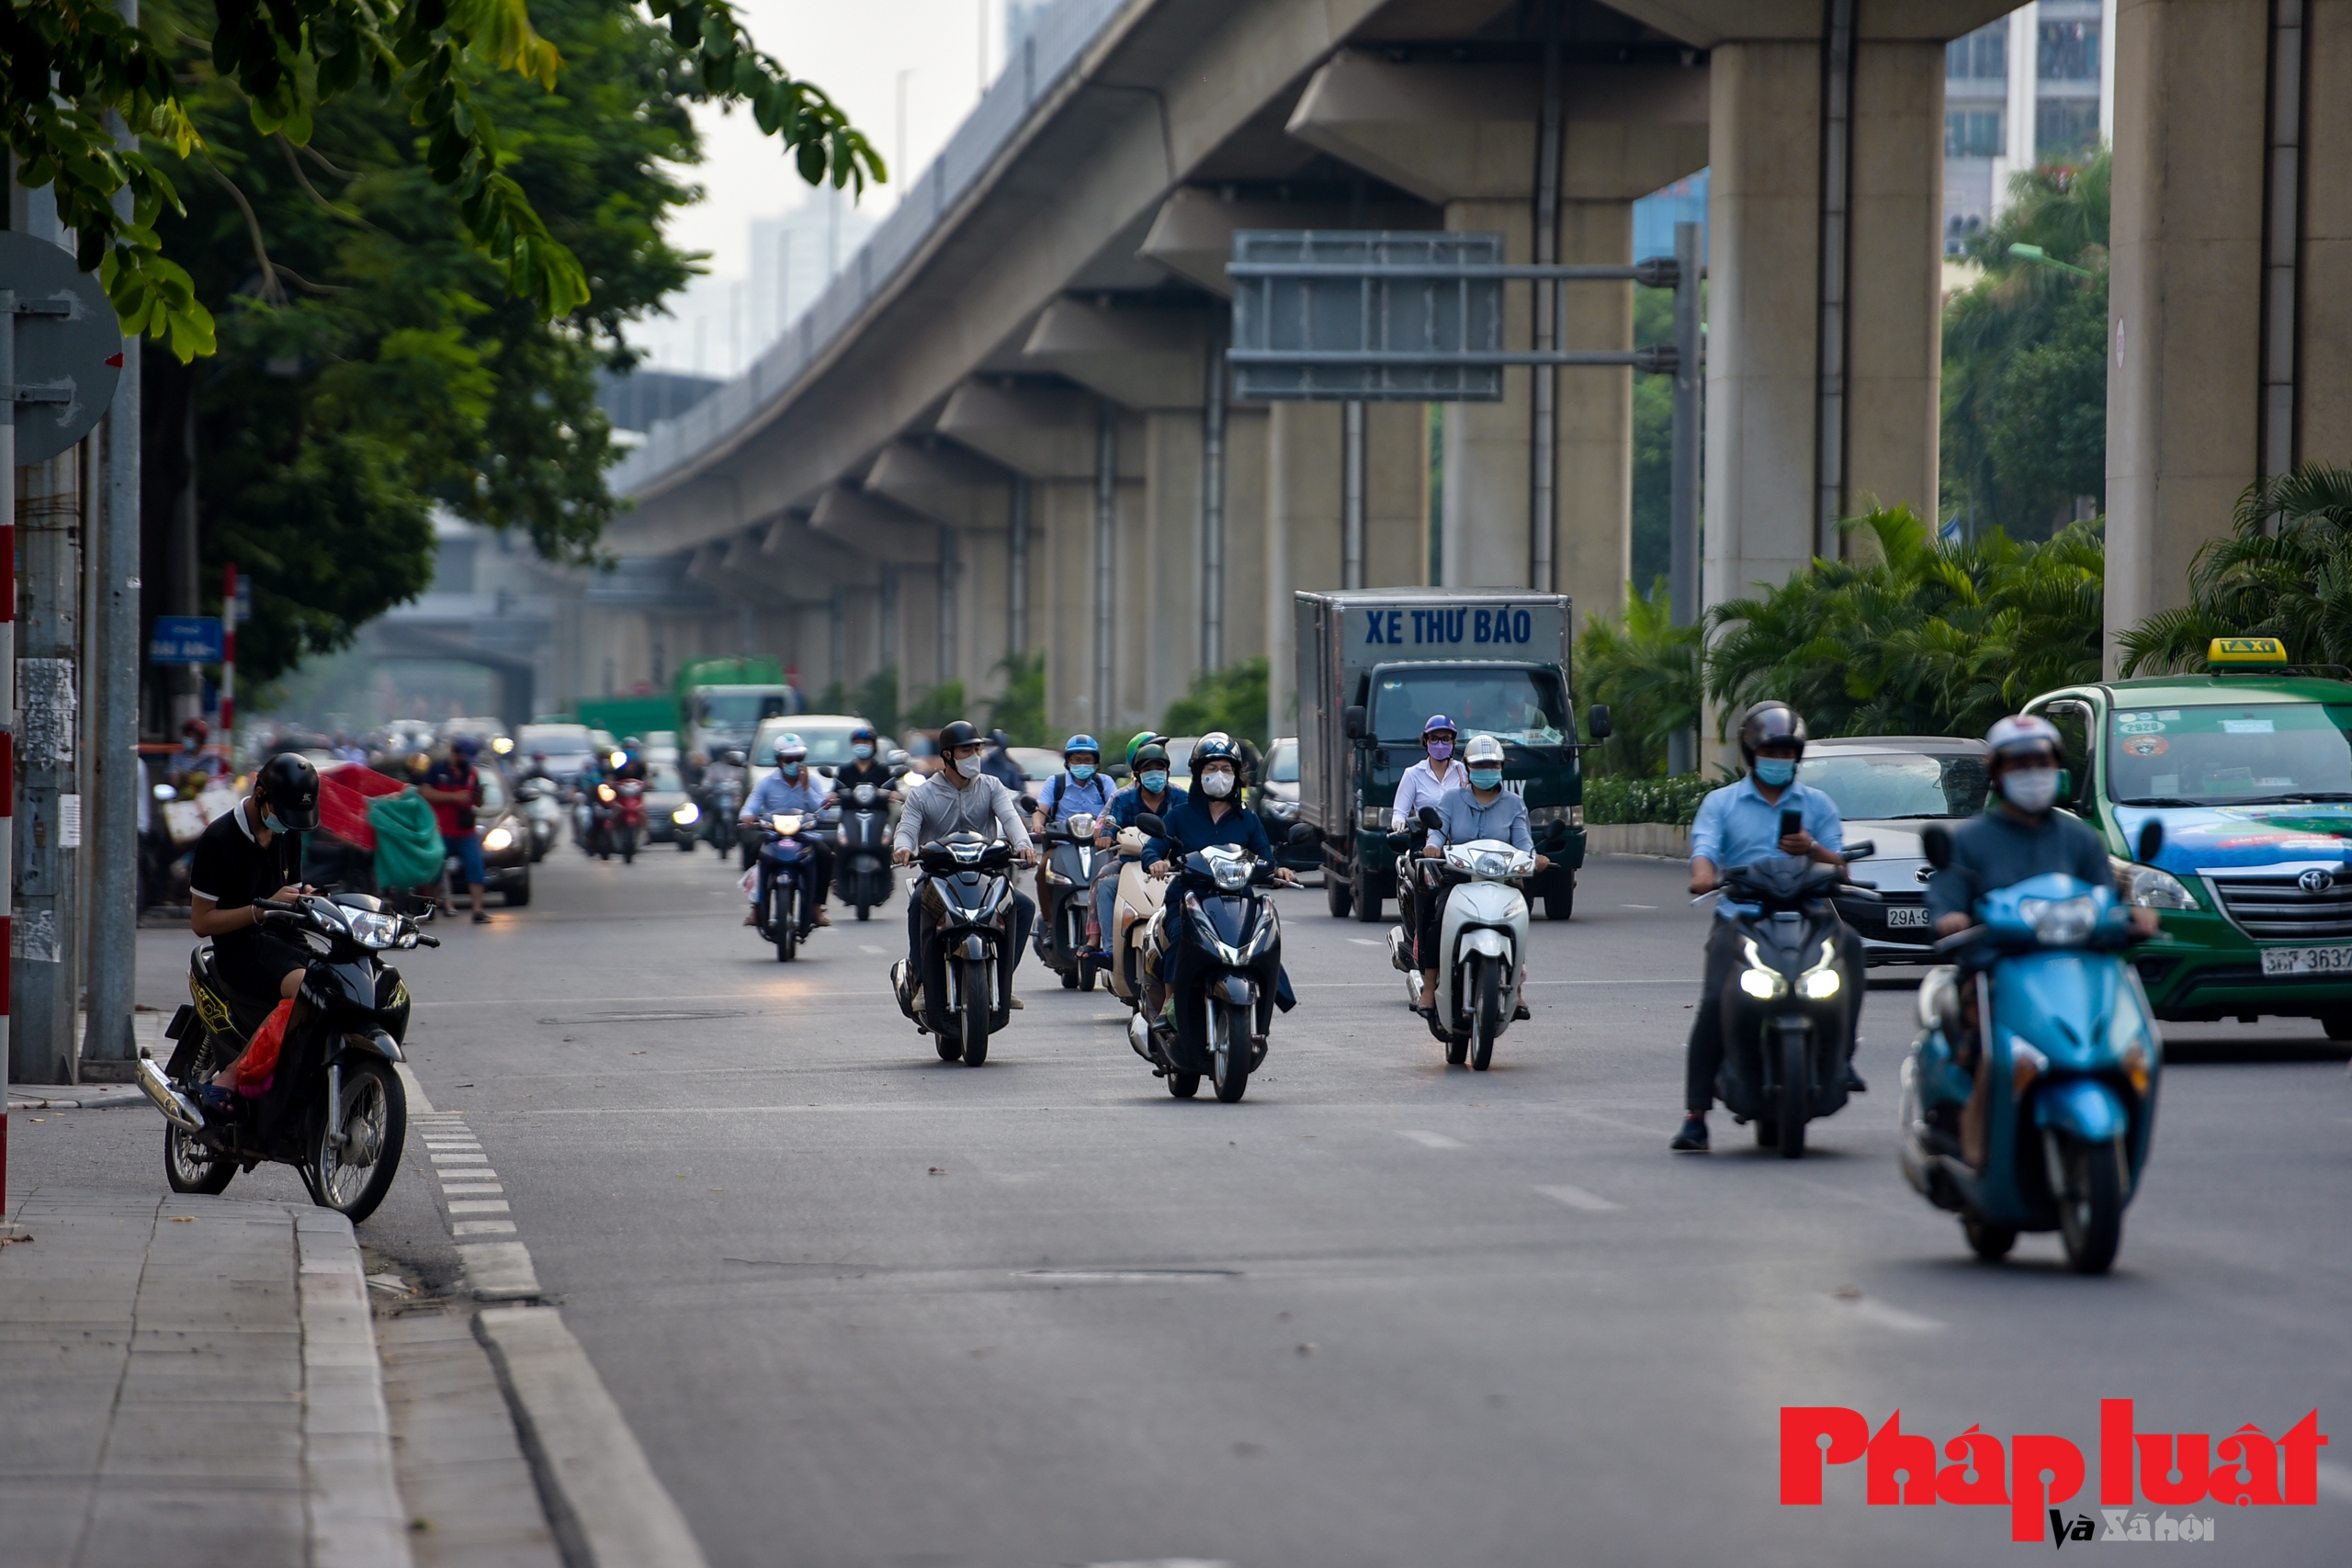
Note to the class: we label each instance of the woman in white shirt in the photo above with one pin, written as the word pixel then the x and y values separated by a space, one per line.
pixel 1436 774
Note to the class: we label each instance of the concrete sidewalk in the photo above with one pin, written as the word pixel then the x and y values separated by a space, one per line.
pixel 190 1379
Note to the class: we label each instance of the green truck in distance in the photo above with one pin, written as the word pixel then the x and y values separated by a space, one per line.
pixel 1374 663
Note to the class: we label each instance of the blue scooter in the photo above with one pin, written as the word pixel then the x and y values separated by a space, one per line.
pixel 2029 1100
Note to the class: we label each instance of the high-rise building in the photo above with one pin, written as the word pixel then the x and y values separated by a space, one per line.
pixel 2030 88
pixel 794 256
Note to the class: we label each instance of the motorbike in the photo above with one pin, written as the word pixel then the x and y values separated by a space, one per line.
pixel 965 992
pixel 1785 1010
pixel 543 811
pixel 2029 1098
pixel 786 909
pixel 1221 1019
pixel 1481 941
pixel 334 1108
pixel 627 819
pixel 862 859
pixel 1138 898
pixel 1068 891
pixel 726 798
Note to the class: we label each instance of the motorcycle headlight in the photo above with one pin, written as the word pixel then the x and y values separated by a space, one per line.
pixel 2059 922
pixel 497 839
pixel 1820 983
pixel 863 795
pixel 1231 875
pixel 786 822
pixel 2148 888
pixel 375 931
pixel 686 815
pixel 1081 826
pixel 605 794
pixel 1759 979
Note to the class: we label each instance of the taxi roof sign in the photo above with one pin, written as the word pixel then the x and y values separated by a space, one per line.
pixel 2245 651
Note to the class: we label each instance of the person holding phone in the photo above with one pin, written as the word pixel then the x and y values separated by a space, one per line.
pixel 1768 813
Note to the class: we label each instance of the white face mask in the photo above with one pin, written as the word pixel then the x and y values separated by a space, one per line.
pixel 2031 790
pixel 968 766
pixel 1216 786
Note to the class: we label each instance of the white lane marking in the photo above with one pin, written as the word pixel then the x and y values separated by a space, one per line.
pixel 446 1177
pixel 2335 1481
pixel 478 1206
pixel 1429 1140
pixel 591 1455
pixel 1887 1316
pixel 1637 905
pixel 414 1092
pixel 1577 1198
pixel 1366 942
pixel 877 951
pixel 1167 1562
pixel 460 1159
pixel 499 1270
pixel 481 1227
pixel 470 1189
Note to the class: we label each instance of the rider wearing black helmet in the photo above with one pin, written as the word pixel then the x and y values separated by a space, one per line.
pixel 1739 824
pixel 247 856
pixel 1000 764
pixel 957 798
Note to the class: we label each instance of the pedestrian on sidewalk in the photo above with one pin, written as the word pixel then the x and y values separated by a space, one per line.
pixel 454 786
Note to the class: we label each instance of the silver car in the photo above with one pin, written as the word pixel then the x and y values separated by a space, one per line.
pixel 1887 788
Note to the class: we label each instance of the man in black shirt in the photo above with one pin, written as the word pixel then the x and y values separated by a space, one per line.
pixel 252 854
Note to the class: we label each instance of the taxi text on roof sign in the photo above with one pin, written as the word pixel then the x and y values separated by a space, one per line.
pixel 2245 651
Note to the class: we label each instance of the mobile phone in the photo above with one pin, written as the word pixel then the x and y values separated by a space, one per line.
pixel 1791 822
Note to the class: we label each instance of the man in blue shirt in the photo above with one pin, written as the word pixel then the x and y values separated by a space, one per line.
pixel 791 789
pixel 1736 826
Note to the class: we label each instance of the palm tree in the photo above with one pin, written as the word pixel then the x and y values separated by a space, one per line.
pixel 1649 671
pixel 2283 570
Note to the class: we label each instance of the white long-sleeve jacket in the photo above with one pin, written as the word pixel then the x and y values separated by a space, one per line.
pixel 1421 784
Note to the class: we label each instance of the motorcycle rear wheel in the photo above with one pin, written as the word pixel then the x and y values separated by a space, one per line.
pixel 189 1167
pixel 1796 1092
pixel 2090 1210
pixel 375 1121
pixel 1487 1019
pixel 976 1007
pixel 1232 1061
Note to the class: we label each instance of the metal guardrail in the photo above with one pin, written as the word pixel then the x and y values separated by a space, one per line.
pixel 1062 35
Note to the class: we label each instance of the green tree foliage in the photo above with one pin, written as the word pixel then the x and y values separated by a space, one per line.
pixel 72 61
pixel 2025 359
pixel 1652 442
pixel 2283 570
pixel 1232 699
pixel 1934 638
pixel 1650 672
pixel 938 708
pixel 1021 711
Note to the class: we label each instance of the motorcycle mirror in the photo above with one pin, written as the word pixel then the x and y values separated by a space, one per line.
pixel 1353 718
pixel 1150 823
pixel 1428 818
pixel 2152 841
pixel 1556 838
pixel 1596 721
pixel 1304 833
pixel 1935 842
pixel 1028 802
pixel 825 770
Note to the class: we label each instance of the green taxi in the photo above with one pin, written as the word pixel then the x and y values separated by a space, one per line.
pixel 2249 768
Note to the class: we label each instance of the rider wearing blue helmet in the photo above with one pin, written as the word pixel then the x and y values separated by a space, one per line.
pixel 1080 788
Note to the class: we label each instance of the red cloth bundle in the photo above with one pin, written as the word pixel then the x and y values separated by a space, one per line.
pixel 344 790
pixel 257 1067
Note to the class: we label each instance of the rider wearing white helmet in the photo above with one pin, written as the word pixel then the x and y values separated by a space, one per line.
pixel 791 789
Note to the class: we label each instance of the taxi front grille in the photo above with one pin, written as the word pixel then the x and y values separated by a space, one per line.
pixel 2280 908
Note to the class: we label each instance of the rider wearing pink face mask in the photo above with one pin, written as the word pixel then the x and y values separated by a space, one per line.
pixel 1425 781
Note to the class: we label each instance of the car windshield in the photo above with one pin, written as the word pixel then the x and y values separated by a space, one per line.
pixel 494 789
pixel 1521 705
pixel 1874 785
pixel 828 744
pixel 2264 752
pixel 551 738
pixel 1283 766
pixel 665 777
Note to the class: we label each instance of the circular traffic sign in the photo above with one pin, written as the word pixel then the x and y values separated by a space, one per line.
pixel 69 347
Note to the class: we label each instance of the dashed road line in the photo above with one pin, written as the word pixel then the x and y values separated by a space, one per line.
pixel 1429 1140
pixel 1577 1198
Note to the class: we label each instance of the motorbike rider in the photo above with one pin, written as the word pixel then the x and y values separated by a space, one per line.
pixel 1481 809
pixel 537 769
pixel 957 798
pixel 252 853
pixel 192 767
pixel 2019 835
pixel 1212 815
pixel 1001 765
pixel 1151 792
pixel 1737 825
pixel 632 763
pixel 790 788
pixel 862 768
pixel 1435 775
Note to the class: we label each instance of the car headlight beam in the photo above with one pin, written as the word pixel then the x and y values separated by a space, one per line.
pixel 497 839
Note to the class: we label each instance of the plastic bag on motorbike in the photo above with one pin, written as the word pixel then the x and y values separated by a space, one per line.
pixel 258 1068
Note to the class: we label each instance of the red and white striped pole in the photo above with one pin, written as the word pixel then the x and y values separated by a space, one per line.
pixel 229 662
pixel 7 707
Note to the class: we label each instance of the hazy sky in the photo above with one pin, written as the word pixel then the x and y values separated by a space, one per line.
pixel 855 50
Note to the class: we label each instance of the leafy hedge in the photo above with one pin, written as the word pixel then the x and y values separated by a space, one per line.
pixel 1674 800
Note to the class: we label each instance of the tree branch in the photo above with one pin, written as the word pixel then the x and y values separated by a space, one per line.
pixel 271 289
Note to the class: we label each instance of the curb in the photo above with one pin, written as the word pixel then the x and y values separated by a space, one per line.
pixel 80 1098
pixel 353 1500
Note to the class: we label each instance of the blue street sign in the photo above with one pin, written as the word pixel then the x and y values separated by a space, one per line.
pixel 185 639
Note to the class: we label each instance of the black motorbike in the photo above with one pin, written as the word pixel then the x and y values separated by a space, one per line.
pixel 1787 1008
pixel 723 798
pixel 861 853
pixel 787 908
pixel 1222 930
pixel 964 993
pixel 333 1109
pixel 1069 894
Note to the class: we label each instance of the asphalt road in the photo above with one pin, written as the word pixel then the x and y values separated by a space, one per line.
pixel 862 1306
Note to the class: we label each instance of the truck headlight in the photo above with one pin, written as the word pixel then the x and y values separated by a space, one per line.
pixel 2149 888
pixel 1373 818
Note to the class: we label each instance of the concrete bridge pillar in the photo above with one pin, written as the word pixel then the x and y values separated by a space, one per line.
pixel 971 500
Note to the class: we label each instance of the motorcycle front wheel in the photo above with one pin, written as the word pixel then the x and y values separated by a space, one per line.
pixel 1796 1092
pixel 979 995
pixel 2090 1210
pixel 1229 1050
pixel 354 1179
pixel 1487 1017
pixel 628 846
pixel 783 921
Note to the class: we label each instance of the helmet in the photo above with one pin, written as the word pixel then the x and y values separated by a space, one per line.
pixel 630 743
pixel 539 756
pixel 863 732
pixel 1482 749
pixel 1438 721
pixel 790 748
pixel 734 755
pixel 1077 743
pixel 999 739
pixel 959 733
pixel 289 786
pixel 1142 739
pixel 1217 746
pixel 466 746
pixel 197 728
pixel 2023 732
pixel 1770 723
pixel 1148 753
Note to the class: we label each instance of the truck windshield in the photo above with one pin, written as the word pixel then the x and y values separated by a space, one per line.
pixel 738 710
pixel 1869 786
pixel 2261 754
pixel 1521 705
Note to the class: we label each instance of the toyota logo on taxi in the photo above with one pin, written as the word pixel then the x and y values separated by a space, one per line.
pixel 2318 879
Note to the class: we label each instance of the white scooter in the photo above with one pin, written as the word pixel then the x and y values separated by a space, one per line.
pixel 1482 942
